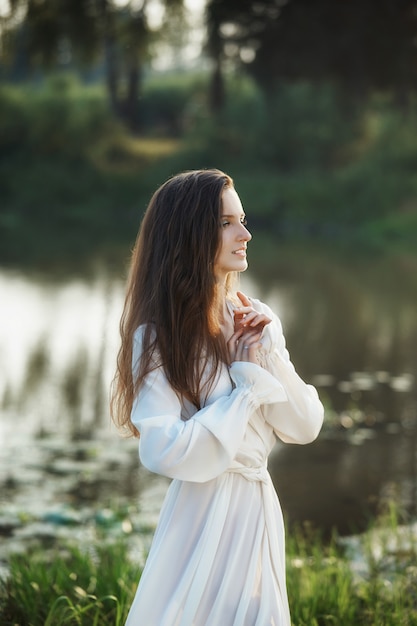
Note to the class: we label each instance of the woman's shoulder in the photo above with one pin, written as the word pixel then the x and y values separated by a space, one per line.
pixel 143 337
pixel 144 342
pixel 142 330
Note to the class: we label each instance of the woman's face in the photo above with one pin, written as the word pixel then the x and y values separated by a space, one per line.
pixel 231 256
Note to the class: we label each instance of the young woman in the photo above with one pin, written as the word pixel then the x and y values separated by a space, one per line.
pixel 206 381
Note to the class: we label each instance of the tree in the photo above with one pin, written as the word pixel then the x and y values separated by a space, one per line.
pixel 361 45
pixel 65 33
pixel 125 40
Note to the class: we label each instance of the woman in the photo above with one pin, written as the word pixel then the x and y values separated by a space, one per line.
pixel 205 380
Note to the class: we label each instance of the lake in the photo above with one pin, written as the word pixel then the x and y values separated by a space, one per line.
pixel 351 328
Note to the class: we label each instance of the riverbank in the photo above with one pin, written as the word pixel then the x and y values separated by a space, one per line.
pixel 74 183
pixel 367 579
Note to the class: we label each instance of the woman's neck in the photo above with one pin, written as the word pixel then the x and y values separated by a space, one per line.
pixel 224 315
pixel 221 301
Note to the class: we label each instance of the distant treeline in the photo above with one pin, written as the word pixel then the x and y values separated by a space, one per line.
pixel 361 46
pixel 73 180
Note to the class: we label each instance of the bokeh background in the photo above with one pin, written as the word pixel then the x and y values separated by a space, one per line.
pixel 310 105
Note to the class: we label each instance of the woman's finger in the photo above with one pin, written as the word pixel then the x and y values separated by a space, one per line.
pixel 247 347
pixel 252 318
pixel 232 344
pixel 256 319
pixel 238 317
pixel 247 315
pixel 244 299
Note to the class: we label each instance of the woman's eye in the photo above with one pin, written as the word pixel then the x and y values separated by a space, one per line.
pixel 244 221
pixel 225 223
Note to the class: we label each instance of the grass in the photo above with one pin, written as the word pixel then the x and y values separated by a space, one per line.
pixel 367 580
pixel 69 587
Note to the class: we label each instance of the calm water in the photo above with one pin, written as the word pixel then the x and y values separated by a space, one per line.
pixel 351 330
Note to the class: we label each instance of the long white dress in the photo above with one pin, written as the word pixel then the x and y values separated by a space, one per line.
pixel 218 553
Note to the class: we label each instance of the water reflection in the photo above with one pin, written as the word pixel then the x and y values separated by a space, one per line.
pixel 57 347
pixel 351 331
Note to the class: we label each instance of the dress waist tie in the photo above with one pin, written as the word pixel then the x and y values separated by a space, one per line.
pixel 254 474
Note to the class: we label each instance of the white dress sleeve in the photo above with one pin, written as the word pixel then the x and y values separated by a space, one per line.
pixel 203 446
pixel 300 418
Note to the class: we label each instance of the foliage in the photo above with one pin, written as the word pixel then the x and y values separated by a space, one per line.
pixel 319 40
pixel 74 181
pixel 59 118
pixel 103 38
pixel 67 170
pixel 278 42
pixel 171 103
pixel 69 588
pixel 325 589
pixel 320 581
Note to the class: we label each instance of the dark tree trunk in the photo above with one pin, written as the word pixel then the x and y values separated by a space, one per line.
pixel 110 57
pixel 217 94
pixel 132 93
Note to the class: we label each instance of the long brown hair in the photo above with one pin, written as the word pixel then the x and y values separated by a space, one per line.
pixel 171 289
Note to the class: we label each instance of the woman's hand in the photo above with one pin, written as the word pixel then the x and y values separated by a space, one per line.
pixel 244 344
pixel 248 326
pixel 247 319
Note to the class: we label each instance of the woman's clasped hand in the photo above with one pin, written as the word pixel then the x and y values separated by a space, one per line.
pixel 248 328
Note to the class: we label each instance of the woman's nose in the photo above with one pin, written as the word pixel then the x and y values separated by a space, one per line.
pixel 245 234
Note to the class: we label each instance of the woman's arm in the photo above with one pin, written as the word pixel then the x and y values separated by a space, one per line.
pixel 203 446
pixel 300 418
